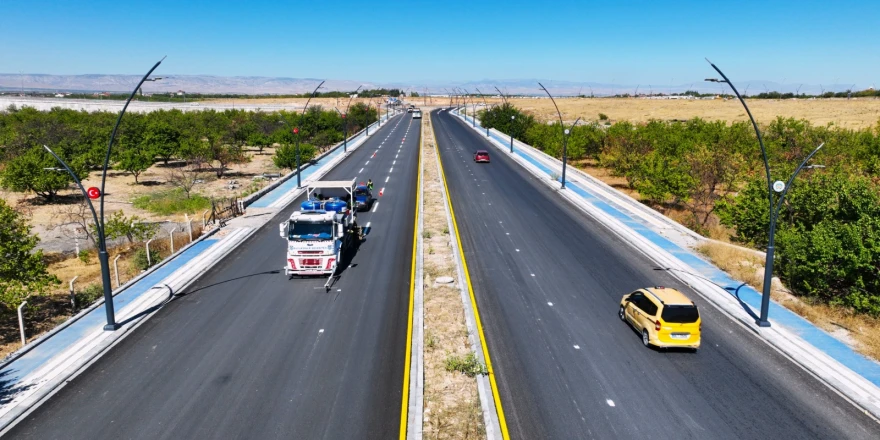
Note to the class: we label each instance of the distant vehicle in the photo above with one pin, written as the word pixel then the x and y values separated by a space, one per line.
pixel 363 197
pixel 665 317
pixel 409 110
pixel 481 156
pixel 417 114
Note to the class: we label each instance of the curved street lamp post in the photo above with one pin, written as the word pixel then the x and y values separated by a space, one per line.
pixel 487 109
pixel 295 131
pixel 93 193
pixel 565 133
pixel 774 205
pixel 345 119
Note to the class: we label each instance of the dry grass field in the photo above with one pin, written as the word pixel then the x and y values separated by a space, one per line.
pixel 847 113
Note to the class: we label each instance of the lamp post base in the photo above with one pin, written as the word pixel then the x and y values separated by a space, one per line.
pixel 112 327
pixel 762 323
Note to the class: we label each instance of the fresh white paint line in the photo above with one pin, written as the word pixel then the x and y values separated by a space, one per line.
pixel 386 179
pixel 517 250
pixel 368 162
pixel 550 304
pixel 361 171
pixel 321 331
pixel 339 290
pixel 577 347
pixel 375 206
pixel 533 274
pixel 398 154
pixel 391 170
pixel 393 162
pixel 368 225
pixel 610 402
pixel 508 233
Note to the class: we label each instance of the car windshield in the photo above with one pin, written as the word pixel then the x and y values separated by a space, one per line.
pixel 680 314
pixel 311 231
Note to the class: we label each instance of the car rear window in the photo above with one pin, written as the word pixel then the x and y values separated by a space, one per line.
pixel 680 314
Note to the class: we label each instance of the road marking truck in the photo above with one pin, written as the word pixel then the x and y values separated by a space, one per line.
pixel 323 231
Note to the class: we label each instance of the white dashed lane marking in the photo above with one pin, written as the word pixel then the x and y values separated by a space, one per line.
pixel 386 179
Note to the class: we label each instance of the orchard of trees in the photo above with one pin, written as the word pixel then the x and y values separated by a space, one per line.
pixel 828 238
pixel 205 139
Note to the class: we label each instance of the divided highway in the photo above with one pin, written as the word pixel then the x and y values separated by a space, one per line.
pixel 247 353
pixel 548 280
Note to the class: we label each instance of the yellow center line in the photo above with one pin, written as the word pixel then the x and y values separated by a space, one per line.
pixel 491 372
pixel 404 399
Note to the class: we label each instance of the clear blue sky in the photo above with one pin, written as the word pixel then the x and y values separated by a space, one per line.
pixel 628 42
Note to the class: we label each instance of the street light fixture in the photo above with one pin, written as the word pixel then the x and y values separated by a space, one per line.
pixel 474 112
pixel 487 109
pixel 345 119
pixel 565 133
pixel 774 205
pixel 158 78
pixel 512 118
pixel 93 193
pixel 503 98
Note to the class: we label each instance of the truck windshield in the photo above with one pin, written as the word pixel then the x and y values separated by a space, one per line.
pixel 311 231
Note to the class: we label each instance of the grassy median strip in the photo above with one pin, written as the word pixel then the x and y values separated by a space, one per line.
pixel 452 403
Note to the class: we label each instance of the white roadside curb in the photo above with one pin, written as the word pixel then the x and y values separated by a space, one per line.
pixel 834 374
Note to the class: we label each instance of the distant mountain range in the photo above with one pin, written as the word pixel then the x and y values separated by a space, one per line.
pixel 276 86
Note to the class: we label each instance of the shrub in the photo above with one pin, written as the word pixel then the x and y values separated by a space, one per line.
pixel 469 365
pixel 84 256
pixel 172 202
pixel 603 117
pixel 140 258
pixel 89 295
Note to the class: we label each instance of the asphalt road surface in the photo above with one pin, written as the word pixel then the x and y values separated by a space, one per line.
pixel 248 353
pixel 548 280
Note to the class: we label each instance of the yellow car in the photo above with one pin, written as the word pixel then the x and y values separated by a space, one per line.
pixel 664 317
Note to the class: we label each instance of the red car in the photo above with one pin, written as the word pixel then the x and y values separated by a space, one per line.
pixel 481 156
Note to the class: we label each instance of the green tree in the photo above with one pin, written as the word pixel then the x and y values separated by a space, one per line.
pixel 135 160
pixel 132 228
pixel 162 139
pixel 285 156
pixel 34 171
pixel 499 118
pixel 22 269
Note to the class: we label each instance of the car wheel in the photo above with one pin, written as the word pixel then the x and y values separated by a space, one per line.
pixel 621 314
pixel 646 339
